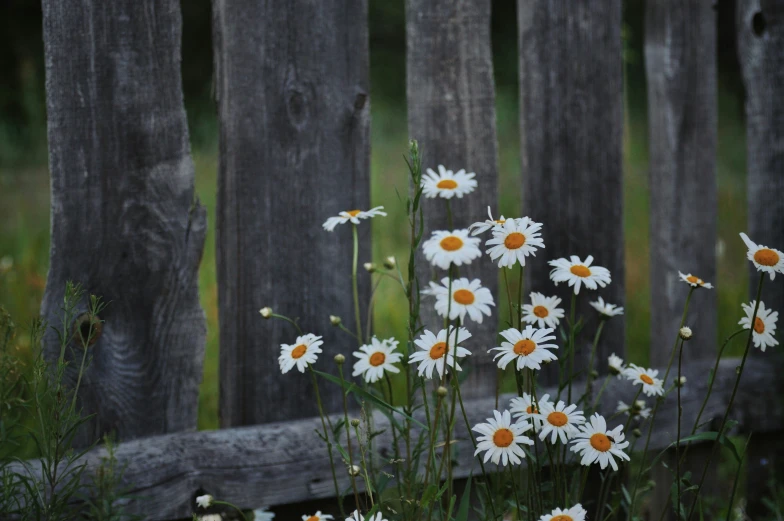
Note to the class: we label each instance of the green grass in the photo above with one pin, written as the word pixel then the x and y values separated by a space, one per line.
pixel 24 224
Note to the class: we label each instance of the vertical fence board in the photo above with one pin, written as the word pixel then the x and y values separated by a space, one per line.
pixel 292 88
pixel 571 118
pixel 760 30
pixel 451 112
pixel 680 62
pixel 124 221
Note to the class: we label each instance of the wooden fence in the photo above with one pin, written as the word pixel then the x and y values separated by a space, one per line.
pixel 292 90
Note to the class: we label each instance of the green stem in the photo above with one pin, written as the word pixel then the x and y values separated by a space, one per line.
pixel 354 282
pixel 235 507
pixel 520 298
pixel 601 391
pixel 589 376
pixel 287 319
pixel 369 488
pixel 326 432
pixel 678 437
pixel 348 445
pixel 571 345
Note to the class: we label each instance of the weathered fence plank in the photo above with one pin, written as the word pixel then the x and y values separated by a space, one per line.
pixel 451 112
pixel 292 89
pixel 571 118
pixel 283 463
pixel 760 31
pixel 680 64
pixel 125 223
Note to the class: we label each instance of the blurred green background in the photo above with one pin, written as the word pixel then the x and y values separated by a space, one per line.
pixel 24 188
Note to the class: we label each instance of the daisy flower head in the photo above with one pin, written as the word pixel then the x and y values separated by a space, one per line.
pixel 651 385
pixel 543 311
pixel 318 516
pixel 481 227
pixel 764 324
pixel 500 439
pixel 530 347
pixel 694 281
pixel 433 354
pixel 356 516
pixel 456 247
pixel 300 354
pixel 595 443
pixel 262 514
pixel 513 241
pixel 376 358
pixel 523 408
pixel 576 513
pixel 204 501
pixel 765 259
pixel 615 364
pixel 447 184
pixel 559 421
pixel 606 309
pixel 468 298
pixel 351 215
pixel 576 273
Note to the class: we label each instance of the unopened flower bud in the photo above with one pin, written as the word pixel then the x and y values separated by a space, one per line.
pixel 636 433
pixel 204 501
pixel 266 312
pixel 681 381
pixel 685 333
pixel 339 359
pixel 441 391
pixel 369 267
pixel 594 373
pixel 354 422
pixel 335 320
pixel 390 263
pixel 354 470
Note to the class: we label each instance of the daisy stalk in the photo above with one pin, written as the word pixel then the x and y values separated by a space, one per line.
pixel 589 376
pixel 326 433
pixel 348 445
pixel 369 488
pixel 571 346
pixel 354 282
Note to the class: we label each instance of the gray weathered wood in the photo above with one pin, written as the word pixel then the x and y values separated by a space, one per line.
pixel 282 463
pixel 292 89
pixel 125 223
pixel 680 62
pixel 760 32
pixel 570 146
pixel 451 112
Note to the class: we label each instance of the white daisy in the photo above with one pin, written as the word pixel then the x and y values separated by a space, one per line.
pixel 596 444
pixel 447 184
pixel 501 439
pixel 529 347
pixel 482 226
pixel 376 358
pixel 523 408
pixel 543 311
pixel 467 298
pixel 576 272
pixel 638 409
pixel 356 516
pixel 433 351
pixel 204 501
pixel 694 281
pixel 651 385
pixel 301 353
pixel 513 241
pixel 615 364
pixel 559 421
pixel 318 516
pixel 606 309
pixel 262 514
pixel 765 259
pixel 576 513
pixel 456 247
pixel 351 215
pixel 764 324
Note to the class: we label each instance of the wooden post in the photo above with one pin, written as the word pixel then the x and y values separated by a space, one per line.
pixel 760 30
pixel 451 112
pixel 571 118
pixel 680 62
pixel 292 89
pixel 125 223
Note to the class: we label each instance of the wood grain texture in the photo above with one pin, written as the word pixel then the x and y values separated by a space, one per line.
pixel 571 118
pixel 293 108
pixel 124 221
pixel 283 463
pixel 760 33
pixel 451 112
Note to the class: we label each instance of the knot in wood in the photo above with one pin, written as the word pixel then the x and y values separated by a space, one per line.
pixel 87 329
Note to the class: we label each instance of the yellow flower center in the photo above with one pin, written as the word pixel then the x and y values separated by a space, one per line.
pixel 500 221
pixel 647 379
pixel 524 347
pixel 562 517
pixel 558 419
pixel 377 358
pixel 531 410
pixel 298 351
pixel 447 184
pixel 503 438
pixel 541 311
pixel 580 270
pixel 766 257
pixel 600 442
pixel 464 297
pixel 514 240
pixel 314 518
pixel 451 243
pixel 438 350
pixel 759 325
pixel 353 213
pixel 695 280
